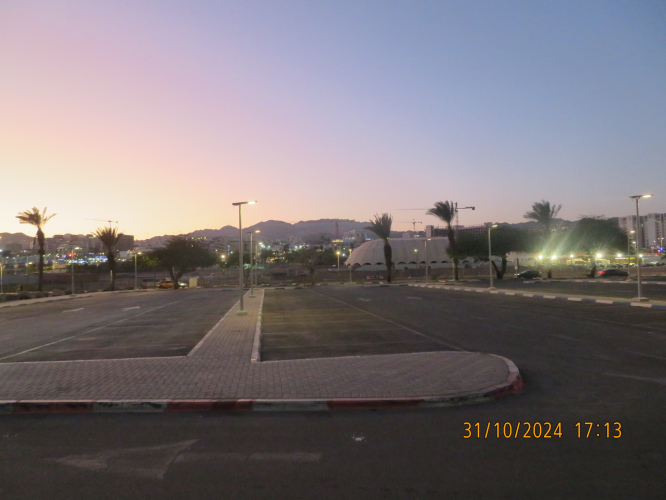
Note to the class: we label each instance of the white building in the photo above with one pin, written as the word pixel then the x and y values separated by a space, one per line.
pixel 653 229
pixel 405 251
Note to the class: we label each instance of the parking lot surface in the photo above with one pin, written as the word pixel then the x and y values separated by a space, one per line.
pixel 111 326
pixel 303 323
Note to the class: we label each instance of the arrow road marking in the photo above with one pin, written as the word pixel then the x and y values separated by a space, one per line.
pixel 146 461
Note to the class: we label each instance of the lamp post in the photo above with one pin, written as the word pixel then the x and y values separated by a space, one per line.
pixel 640 298
pixel 252 263
pixel 2 270
pixel 490 262
pixel 425 244
pixel 136 271
pixel 572 269
pixel 239 204
pixel 629 254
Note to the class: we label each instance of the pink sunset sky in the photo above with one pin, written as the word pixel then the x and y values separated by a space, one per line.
pixel 161 114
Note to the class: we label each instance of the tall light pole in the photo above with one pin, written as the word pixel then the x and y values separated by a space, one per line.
pixel 136 271
pixel 572 269
pixel 490 261
pixel 239 204
pixel 2 269
pixel 252 263
pixel 637 197
pixel 338 254
pixel 425 244
pixel 629 255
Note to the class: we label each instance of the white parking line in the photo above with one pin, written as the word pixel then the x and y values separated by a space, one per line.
pixel 88 331
pixel 128 308
pixel 73 310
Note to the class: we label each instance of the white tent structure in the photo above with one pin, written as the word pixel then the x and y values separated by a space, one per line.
pixel 405 251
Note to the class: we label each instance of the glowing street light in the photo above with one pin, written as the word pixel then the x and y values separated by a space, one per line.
pixel 637 197
pixel 338 254
pixel 490 258
pixel 239 204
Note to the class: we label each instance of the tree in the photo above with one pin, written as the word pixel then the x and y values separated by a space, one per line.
pixel 310 258
pixel 37 219
pixel 505 239
pixel 381 226
pixel 544 213
pixel 110 238
pixel 183 255
pixel 445 210
pixel 592 234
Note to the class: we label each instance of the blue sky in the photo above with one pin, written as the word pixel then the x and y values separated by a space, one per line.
pixel 329 109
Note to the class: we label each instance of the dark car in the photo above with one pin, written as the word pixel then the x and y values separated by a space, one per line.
pixel 612 272
pixel 528 275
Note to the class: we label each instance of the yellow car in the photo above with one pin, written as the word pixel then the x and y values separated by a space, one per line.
pixel 167 283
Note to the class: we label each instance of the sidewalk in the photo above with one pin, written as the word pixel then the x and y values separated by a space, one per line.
pixel 652 304
pixel 220 374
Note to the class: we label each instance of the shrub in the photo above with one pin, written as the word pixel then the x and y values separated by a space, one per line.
pixel 57 292
pixel 24 295
pixel 67 292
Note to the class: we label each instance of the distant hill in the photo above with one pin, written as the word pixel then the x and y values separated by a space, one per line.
pixel 271 230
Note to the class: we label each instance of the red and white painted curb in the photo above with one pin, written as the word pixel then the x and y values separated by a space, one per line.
pixel 514 383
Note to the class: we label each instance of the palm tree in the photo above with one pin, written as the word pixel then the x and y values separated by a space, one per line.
pixel 381 226
pixel 544 213
pixel 445 210
pixel 110 238
pixel 37 219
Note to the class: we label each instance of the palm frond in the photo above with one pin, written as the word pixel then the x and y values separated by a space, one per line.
pixel 381 226
pixel 443 210
pixel 34 217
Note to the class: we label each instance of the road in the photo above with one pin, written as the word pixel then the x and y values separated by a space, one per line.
pixel 111 326
pixel 581 362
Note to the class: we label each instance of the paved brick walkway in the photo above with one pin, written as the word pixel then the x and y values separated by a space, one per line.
pixel 221 368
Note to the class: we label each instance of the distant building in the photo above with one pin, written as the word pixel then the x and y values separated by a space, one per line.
pixel 432 231
pixel 653 229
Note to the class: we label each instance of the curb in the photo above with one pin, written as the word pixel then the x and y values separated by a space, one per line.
pixel 513 384
pixel 42 300
pixel 570 298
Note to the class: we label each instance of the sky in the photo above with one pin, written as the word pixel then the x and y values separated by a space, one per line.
pixel 160 114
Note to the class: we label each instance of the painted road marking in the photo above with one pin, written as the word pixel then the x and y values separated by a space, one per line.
pixel 89 331
pixel 128 308
pixel 73 310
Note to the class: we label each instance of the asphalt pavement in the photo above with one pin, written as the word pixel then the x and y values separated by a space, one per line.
pixel 111 326
pixel 595 363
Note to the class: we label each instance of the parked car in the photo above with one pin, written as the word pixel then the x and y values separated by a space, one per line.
pixel 611 272
pixel 167 283
pixel 528 275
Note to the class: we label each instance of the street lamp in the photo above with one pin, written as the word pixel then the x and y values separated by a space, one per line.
pixel 239 204
pixel 572 269
pixel 490 261
pixel 252 273
pixel 136 271
pixel 629 242
pixel 425 244
pixel 72 256
pixel 637 197
pixel 338 254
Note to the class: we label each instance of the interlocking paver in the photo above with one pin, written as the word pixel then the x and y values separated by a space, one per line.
pixel 221 368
